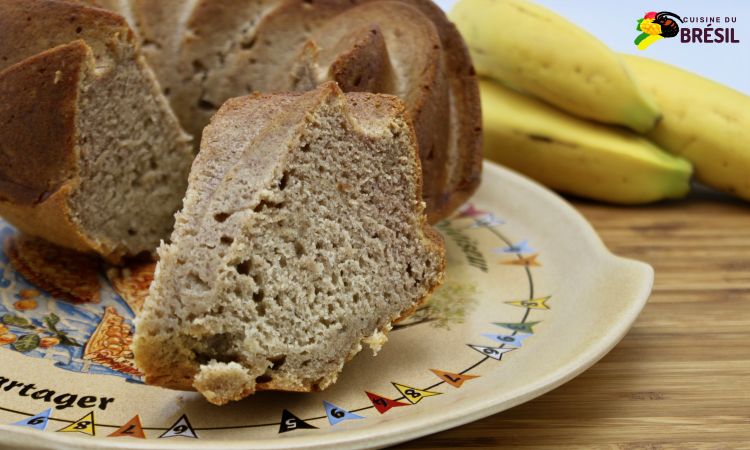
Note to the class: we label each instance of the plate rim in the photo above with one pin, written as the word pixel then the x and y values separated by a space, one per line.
pixel 401 431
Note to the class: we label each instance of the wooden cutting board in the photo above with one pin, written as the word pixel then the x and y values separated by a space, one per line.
pixel 681 377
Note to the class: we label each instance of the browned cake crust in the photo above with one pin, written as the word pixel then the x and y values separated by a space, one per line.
pixel 38 145
pixel 65 274
pixel 40 77
pixel 29 27
pixel 463 79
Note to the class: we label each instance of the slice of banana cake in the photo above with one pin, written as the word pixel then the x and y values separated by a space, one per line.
pixel 92 158
pixel 302 235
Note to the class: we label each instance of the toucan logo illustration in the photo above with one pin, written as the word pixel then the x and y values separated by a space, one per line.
pixel 656 26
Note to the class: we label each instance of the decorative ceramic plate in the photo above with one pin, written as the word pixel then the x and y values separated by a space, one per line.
pixel 531 299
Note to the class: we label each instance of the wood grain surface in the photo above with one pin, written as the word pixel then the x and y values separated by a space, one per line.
pixel 681 377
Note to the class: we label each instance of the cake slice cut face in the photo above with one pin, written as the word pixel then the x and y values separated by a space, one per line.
pixel 302 236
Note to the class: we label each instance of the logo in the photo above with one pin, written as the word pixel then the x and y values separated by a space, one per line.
pixel 655 27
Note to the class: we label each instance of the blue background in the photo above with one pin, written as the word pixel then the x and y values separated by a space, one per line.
pixel 614 23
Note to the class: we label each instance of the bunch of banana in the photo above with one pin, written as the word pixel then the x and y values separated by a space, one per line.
pixel 574 155
pixel 535 51
pixel 703 121
pixel 555 107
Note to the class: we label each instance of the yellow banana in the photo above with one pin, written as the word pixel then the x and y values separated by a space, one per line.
pixel 542 54
pixel 574 155
pixel 704 122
